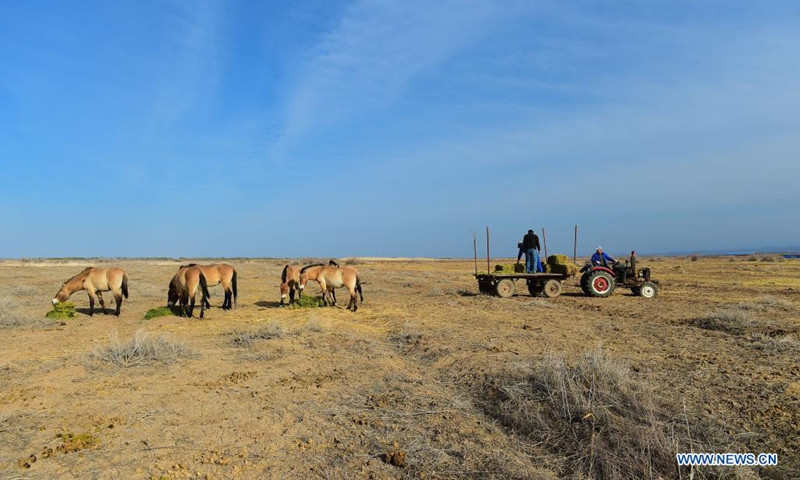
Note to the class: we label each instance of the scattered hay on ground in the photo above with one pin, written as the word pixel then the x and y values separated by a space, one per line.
pixel 163 312
pixel 142 349
pixel 62 310
pixel 308 301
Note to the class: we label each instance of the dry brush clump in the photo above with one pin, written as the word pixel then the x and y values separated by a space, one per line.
pixel 593 416
pixel 142 349
pixel 245 338
pixel 733 319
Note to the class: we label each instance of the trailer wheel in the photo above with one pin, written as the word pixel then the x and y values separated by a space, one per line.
pixel 505 288
pixel 648 290
pixel 601 284
pixel 552 288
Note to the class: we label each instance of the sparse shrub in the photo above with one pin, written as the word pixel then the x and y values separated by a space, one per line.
pixel 766 303
pixel 731 320
pixel 353 261
pixel 594 416
pixel 694 258
pixel 141 349
pixel 314 324
pixel 246 338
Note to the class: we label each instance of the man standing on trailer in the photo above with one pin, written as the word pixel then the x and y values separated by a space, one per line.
pixel 530 245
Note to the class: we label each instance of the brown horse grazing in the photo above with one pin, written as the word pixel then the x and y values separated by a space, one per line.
pixel 330 277
pixel 290 283
pixel 225 274
pixel 183 288
pixel 95 281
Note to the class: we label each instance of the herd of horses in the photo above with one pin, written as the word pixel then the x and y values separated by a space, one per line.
pixel 193 278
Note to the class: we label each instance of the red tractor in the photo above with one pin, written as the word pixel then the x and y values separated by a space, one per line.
pixel 600 281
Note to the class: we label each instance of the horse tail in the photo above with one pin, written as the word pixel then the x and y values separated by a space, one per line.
pixel 358 287
pixel 233 284
pixel 125 285
pixel 283 274
pixel 204 286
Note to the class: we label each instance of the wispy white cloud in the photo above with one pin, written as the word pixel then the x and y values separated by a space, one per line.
pixel 189 59
pixel 375 50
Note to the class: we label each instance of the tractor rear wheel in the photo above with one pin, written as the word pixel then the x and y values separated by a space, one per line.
pixel 585 283
pixel 552 288
pixel 648 290
pixel 505 288
pixel 600 284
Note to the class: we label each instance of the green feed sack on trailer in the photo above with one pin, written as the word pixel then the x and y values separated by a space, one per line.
pixel 163 312
pixel 308 301
pixel 62 310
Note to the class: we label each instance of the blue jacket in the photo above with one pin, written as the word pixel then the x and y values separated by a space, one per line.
pixel 605 259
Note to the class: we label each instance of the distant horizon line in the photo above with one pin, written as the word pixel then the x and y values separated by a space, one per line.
pixel 704 253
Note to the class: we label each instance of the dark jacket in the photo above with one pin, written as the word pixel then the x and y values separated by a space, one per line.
pixel 530 240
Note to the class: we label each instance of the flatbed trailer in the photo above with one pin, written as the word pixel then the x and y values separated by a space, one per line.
pixel 504 284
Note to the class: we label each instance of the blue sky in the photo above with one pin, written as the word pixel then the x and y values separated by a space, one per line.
pixel 385 128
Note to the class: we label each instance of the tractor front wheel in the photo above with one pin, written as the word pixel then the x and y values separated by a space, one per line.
pixel 648 290
pixel 600 284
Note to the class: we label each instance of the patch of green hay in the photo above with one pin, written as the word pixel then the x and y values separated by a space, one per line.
pixel 62 310
pixel 307 301
pixel 557 259
pixel 163 312
pixel 509 268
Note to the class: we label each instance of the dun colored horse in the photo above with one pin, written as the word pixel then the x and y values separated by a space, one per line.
pixel 290 283
pixel 330 277
pixel 183 288
pixel 220 273
pixel 95 281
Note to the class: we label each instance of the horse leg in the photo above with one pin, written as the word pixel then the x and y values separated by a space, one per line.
pixel 202 306
pixel 102 303
pixel 118 299
pixel 291 294
pixel 333 294
pixel 191 305
pixel 324 289
pixel 92 297
pixel 353 298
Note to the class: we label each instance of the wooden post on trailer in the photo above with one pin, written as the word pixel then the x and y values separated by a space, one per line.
pixel 475 251
pixel 575 247
pixel 488 268
pixel 544 242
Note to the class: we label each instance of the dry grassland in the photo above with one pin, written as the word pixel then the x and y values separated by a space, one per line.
pixel 428 379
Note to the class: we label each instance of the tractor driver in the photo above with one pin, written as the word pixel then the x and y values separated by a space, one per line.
pixel 601 258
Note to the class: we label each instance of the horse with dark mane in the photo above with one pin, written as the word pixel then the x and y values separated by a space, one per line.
pixel 290 283
pixel 220 273
pixel 96 281
pixel 183 289
pixel 331 277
